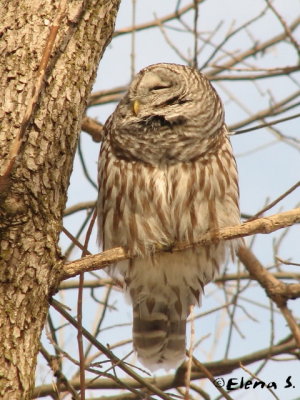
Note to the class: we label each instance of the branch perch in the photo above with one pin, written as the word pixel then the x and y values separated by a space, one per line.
pixel 262 225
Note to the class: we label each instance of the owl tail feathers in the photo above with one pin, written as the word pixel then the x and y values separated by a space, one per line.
pixel 158 335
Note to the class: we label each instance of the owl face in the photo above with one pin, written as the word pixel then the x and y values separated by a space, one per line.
pixel 158 90
pixel 167 107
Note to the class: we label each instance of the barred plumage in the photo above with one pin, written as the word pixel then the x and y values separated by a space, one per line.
pixel 166 174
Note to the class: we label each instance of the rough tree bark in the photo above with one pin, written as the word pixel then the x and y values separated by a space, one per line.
pixel 37 143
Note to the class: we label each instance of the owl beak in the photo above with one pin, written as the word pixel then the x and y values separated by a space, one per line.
pixel 135 107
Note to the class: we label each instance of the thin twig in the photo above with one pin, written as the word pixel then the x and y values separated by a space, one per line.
pixel 257 378
pixel 206 372
pixel 217 368
pixel 230 35
pixel 133 34
pixel 273 203
pixel 275 289
pixel 254 128
pixel 254 50
pixel 285 27
pixel 172 45
pixel 294 327
pixel 190 355
pixel 79 311
pixel 54 364
pixel 195 29
pixel 86 205
pixel 85 170
pixel 108 353
pixel 74 240
pixel 254 75
pixel 159 21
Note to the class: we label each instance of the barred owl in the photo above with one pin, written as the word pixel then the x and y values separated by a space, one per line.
pixel 166 174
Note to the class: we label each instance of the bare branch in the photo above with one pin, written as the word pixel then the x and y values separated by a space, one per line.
pixel 254 128
pixel 87 205
pixel 115 360
pixel 274 110
pixel 158 21
pixel 262 225
pixel 93 127
pixel 106 96
pixel 254 50
pixel 276 201
pixel 217 368
pixel 278 291
pixel 255 73
pixel 285 26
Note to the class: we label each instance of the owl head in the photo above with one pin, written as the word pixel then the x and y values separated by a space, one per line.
pixel 167 107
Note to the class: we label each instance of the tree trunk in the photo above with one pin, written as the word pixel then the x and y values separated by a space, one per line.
pixel 39 130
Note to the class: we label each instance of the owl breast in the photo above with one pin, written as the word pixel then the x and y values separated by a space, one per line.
pixel 145 205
